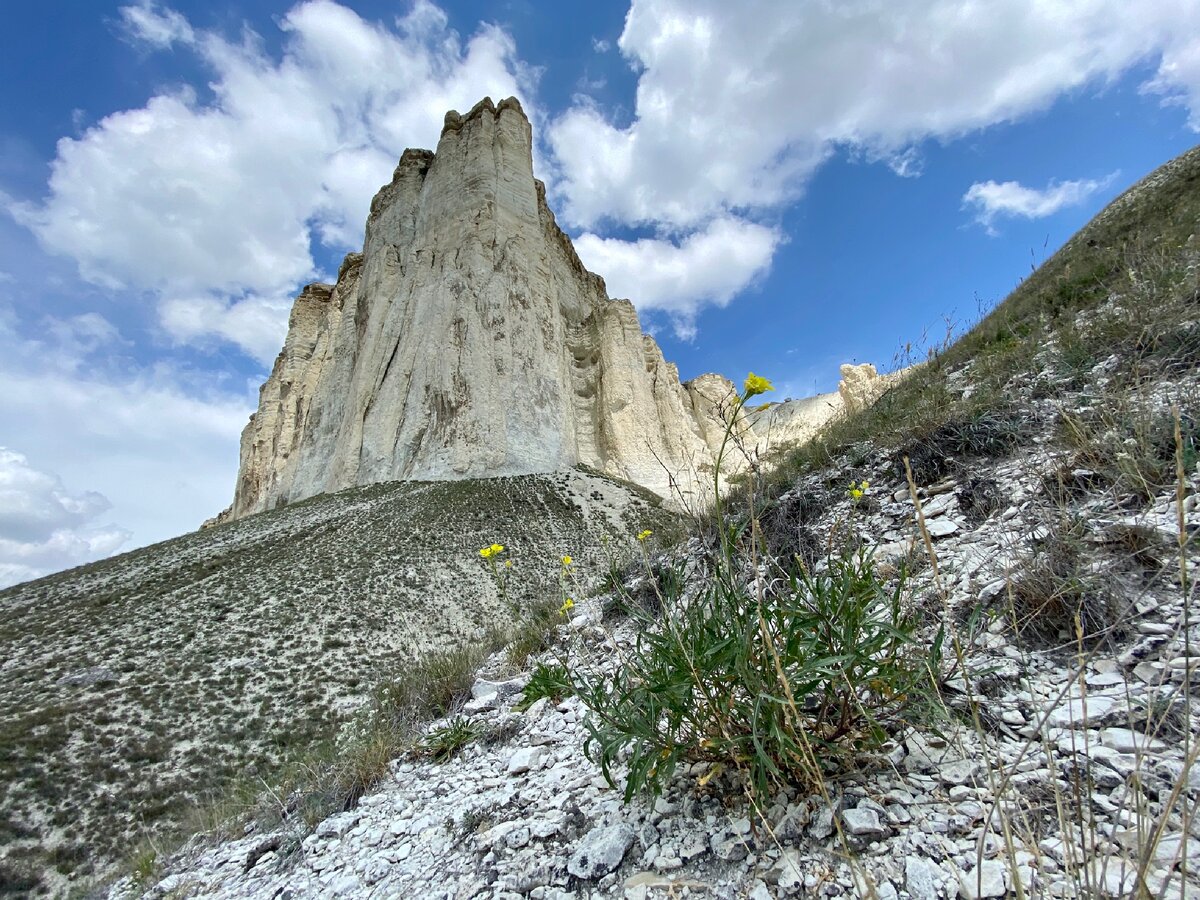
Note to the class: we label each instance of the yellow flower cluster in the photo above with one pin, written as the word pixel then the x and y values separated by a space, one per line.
pixel 489 552
pixel 567 606
pixel 566 561
pixel 755 385
pixel 642 535
pixel 857 490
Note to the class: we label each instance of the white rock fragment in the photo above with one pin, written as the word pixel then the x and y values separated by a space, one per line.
pixel 1081 712
pixel 601 851
pixel 526 759
pixel 988 879
pixel 922 878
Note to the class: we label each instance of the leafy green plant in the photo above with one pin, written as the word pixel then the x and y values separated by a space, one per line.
pixel 778 683
pixel 553 681
pixel 781 687
pixel 443 744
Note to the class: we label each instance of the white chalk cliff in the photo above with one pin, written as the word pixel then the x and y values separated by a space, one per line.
pixel 468 340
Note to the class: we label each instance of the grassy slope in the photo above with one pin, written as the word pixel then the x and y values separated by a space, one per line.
pixel 1149 231
pixel 245 644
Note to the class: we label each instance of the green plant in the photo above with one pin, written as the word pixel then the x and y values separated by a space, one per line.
pixel 444 743
pixel 1131 446
pixel 533 631
pixel 778 684
pixel 780 687
pixel 145 862
pixel 553 681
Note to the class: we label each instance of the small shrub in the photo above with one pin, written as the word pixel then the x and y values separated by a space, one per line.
pixel 444 743
pixel 978 498
pixel 1133 448
pixel 779 688
pixel 1056 600
pixel 553 681
pixel 787 526
pixel 982 434
pixel 15 880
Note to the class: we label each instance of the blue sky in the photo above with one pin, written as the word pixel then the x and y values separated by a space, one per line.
pixel 779 186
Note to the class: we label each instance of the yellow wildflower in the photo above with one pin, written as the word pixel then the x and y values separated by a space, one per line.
pixel 508 564
pixel 756 384
pixel 642 535
pixel 856 491
pixel 567 606
pixel 566 561
pixel 486 552
pixel 497 548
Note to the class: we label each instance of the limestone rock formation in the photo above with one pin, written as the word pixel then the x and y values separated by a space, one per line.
pixel 860 385
pixel 466 340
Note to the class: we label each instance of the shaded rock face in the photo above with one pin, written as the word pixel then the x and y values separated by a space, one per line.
pixel 466 340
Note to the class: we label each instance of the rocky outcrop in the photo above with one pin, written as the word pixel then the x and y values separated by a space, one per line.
pixel 466 340
pixel 861 385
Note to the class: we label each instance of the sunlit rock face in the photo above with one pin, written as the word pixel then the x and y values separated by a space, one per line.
pixel 466 340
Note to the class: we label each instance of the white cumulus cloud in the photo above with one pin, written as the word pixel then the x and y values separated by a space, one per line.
pixel 43 526
pixel 708 267
pixel 222 199
pixel 737 104
pixel 93 439
pixel 149 23
pixel 992 199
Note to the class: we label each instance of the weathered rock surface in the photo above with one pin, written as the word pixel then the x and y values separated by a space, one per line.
pixel 862 385
pixel 466 340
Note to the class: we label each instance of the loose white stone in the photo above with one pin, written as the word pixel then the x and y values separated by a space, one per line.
pixel 1074 713
pixel 988 879
pixel 922 878
pixel 601 851
pixel 526 759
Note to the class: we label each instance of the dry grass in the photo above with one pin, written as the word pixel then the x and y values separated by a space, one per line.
pixel 204 666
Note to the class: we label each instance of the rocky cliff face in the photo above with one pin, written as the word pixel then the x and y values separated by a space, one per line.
pixel 466 340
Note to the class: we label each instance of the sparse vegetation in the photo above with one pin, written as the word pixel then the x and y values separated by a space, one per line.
pixel 552 681
pixel 1055 601
pixel 777 659
pixel 779 680
pixel 446 741
pixel 159 691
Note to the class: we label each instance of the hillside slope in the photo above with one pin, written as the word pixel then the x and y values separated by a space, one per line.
pixel 1029 497
pixel 137 684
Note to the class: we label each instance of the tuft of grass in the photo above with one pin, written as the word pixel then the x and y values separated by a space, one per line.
pixel 1055 600
pixel 1131 446
pixel 534 632
pixel 552 681
pixel 444 743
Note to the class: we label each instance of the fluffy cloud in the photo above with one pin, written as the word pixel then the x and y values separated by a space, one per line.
pixel 219 201
pixel 737 104
pixel 708 267
pixel 43 526
pixel 257 325
pixel 991 199
pixel 153 447
pixel 148 23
